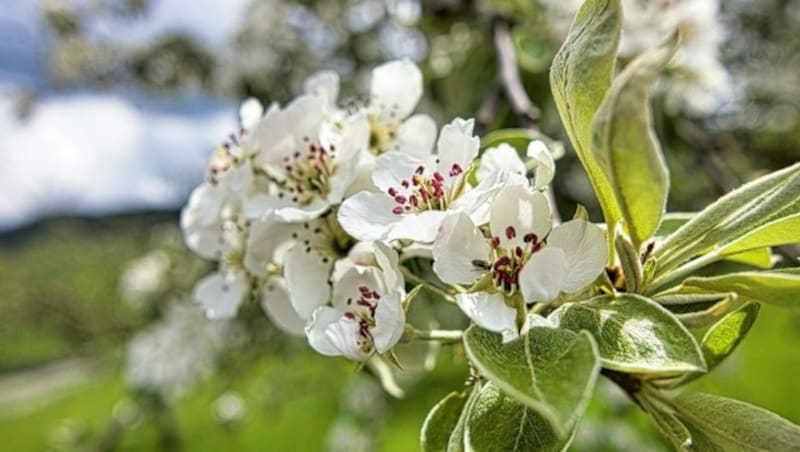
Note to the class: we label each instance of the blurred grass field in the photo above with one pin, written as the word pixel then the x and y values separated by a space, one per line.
pixel 59 301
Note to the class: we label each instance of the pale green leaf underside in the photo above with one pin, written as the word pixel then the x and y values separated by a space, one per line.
pixel 778 287
pixel 635 334
pixel 719 423
pixel 551 371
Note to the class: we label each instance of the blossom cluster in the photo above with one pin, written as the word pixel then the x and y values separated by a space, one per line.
pixel 313 209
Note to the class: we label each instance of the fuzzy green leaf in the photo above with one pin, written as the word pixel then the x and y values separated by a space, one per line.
pixel 719 423
pixel 635 334
pixel 626 147
pixel 441 422
pixel 580 75
pixel 778 287
pixel 551 371
pixel 688 239
pixel 498 423
pixel 775 233
pixel 668 424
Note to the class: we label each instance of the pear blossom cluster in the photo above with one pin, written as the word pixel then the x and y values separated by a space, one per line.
pixel 313 209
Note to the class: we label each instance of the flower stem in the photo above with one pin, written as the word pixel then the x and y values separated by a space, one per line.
pixel 427 285
pixel 680 272
pixel 437 335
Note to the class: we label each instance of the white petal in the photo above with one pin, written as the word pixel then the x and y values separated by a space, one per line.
pixel 502 157
pixel 477 202
pixel 545 166
pixel 490 312
pixel 457 145
pixel 392 168
pixel 220 295
pixel 362 180
pixel 584 246
pixel 345 335
pixel 416 136
pixel 316 329
pixel 346 290
pixel 250 112
pixel 300 213
pixel 324 84
pixel 421 227
pixel 388 261
pixel 517 211
pixel 263 239
pixel 395 89
pixel 305 115
pixel 275 302
pixel 258 205
pixel 390 321
pixel 367 216
pixel 201 221
pixel 271 131
pixel 542 277
pixel 457 245
pixel 307 273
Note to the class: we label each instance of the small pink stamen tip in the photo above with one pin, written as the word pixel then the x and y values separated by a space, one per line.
pixel 420 169
pixel 530 238
pixel 350 315
pixel 404 183
pixel 375 295
pixel 398 210
pixel 495 241
pixel 400 199
pixel 438 176
pixel 518 251
pixel 392 192
pixel 504 260
pixel 413 200
pixel 510 232
pixel 363 289
pixel 456 170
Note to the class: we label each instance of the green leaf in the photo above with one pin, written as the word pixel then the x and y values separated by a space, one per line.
pixel 499 423
pixel 668 424
pixel 719 423
pixel 580 75
pixel 686 241
pixel 441 422
pixel 775 233
pixel 778 287
pixel 534 51
pixel 671 222
pixel 635 334
pixel 551 371
pixel 630 263
pixel 626 146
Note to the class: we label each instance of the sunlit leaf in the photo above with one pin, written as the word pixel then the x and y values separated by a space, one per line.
pixel 442 420
pixel 635 334
pixel 778 287
pixel 626 147
pixel 551 371
pixel 778 232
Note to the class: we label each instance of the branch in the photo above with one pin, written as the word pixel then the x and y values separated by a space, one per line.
pixel 508 69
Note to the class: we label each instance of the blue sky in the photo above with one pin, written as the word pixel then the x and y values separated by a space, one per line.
pixel 98 152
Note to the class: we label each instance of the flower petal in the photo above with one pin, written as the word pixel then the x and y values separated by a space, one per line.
pixel 264 237
pixel 584 247
pixel 323 84
pixel 250 112
pixel 388 261
pixel 545 166
pixel 542 277
pixel 420 227
pixel 220 295
pixel 390 322
pixel 416 136
pixel 457 145
pixel 458 244
pixel 394 167
pixel 395 90
pixel 490 312
pixel 502 157
pixel 307 273
pixel 367 216
pixel 347 289
pixel 316 329
pixel 518 211
pixel 345 335
pixel 278 307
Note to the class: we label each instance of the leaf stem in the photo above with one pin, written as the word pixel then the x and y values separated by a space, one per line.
pixel 414 279
pixel 436 335
pixel 681 272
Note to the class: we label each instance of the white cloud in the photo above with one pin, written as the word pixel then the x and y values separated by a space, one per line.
pixel 98 153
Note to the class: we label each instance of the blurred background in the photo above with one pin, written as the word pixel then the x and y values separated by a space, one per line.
pixel 109 110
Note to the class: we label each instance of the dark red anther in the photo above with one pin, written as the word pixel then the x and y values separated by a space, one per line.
pixel 503 260
pixel 438 176
pixel 413 200
pixel 398 210
pixel 363 289
pixel 456 170
pixel 400 199
pixel 420 169
pixel 510 232
pixel 350 315
pixel 404 183
pixel 536 247
pixel 392 191
pixel 530 237
pixel 495 241
pixel 518 251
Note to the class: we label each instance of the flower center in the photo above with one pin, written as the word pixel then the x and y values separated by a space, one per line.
pixel 362 311
pixel 425 191
pixel 381 135
pixel 226 157
pixel 506 263
pixel 308 173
